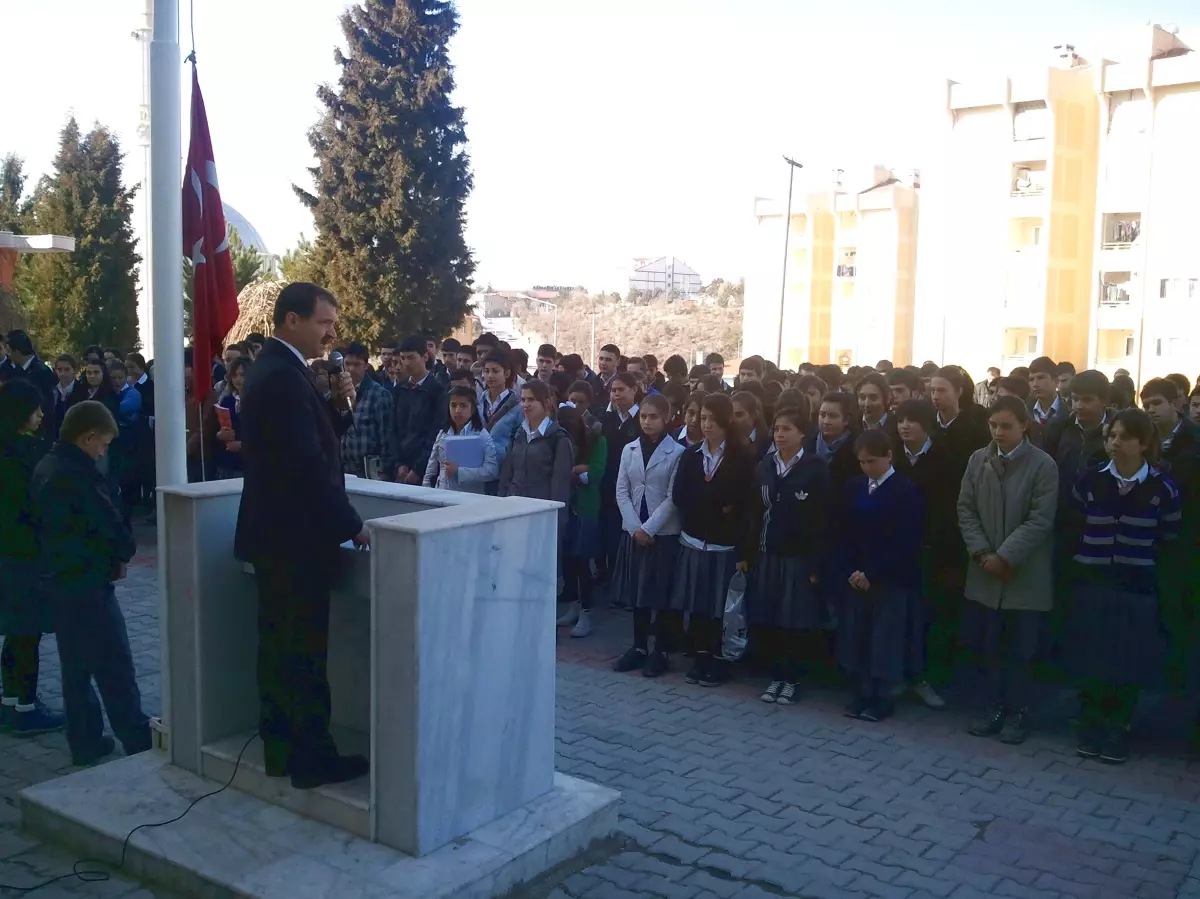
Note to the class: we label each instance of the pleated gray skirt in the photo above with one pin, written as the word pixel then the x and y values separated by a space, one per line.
pixel 1114 635
pixel 644 574
pixel 701 581
pixel 779 594
pixel 872 634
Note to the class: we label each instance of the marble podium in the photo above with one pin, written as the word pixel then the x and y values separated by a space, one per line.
pixel 441 670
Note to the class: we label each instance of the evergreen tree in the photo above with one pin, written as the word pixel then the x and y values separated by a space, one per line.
pixel 14 206
pixel 89 296
pixel 300 264
pixel 14 213
pixel 392 174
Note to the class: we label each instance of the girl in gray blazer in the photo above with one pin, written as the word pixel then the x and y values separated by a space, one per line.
pixel 1006 509
pixel 649 537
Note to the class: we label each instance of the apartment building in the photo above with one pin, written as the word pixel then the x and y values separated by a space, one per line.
pixel 1147 284
pixel 849 288
pixel 1059 217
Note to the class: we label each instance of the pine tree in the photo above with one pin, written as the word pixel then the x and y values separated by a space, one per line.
pixel 299 263
pixel 89 296
pixel 392 174
pixel 14 206
pixel 14 214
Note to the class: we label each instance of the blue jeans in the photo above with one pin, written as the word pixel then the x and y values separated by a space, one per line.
pixel 93 645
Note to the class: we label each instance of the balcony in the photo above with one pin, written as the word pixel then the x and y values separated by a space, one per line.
pixel 1121 231
pixel 845 271
pixel 1119 239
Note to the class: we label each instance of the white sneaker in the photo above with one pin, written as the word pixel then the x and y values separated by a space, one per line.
pixel 787 694
pixel 771 694
pixel 928 695
pixel 570 616
pixel 583 626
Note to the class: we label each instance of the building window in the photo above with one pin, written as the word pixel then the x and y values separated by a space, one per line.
pixel 1031 343
pixel 1178 288
pixel 1128 346
pixel 1031 121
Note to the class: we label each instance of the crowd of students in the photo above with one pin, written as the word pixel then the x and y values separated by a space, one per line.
pixel 896 515
pixel 893 515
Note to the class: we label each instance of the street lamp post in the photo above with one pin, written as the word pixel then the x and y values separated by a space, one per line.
pixel 787 233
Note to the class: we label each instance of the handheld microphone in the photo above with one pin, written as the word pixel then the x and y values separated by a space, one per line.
pixel 337 365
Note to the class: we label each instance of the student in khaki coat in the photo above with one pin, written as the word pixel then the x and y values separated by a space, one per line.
pixel 1006 509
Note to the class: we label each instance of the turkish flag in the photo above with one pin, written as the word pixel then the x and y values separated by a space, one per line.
pixel 206 243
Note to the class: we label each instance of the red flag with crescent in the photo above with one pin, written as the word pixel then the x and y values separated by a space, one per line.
pixel 206 243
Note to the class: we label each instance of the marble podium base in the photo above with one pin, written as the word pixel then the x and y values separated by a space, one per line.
pixel 237 845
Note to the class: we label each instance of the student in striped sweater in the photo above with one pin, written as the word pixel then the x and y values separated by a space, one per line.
pixel 1115 642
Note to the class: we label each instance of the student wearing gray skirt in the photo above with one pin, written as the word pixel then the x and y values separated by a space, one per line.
pixel 650 538
pixel 1115 640
pixel 880 525
pixel 784 602
pixel 714 493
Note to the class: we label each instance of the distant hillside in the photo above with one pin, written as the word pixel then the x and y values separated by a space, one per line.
pixel 662 326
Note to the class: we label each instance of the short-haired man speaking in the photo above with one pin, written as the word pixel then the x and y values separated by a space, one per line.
pixel 294 516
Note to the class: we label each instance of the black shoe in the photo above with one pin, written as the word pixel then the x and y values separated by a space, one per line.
pixel 633 659
pixel 697 671
pixel 989 725
pixel 276 755
pixel 1015 729
pixel 1114 749
pixel 334 769
pixel 878 709
pixel 104 748
pixel 716 672
pixel 857 706
pixel 656 665
pixel 1091 739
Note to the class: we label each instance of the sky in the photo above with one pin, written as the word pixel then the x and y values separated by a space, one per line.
pixel 598 132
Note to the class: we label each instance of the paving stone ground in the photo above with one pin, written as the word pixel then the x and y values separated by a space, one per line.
pixel 724 797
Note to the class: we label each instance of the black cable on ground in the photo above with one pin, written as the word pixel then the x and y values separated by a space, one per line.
pixel 97 876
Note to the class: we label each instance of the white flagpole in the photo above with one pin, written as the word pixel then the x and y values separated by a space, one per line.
pixel 166 246
pixel 166 274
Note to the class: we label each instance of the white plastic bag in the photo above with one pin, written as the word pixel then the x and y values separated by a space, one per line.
pixel 733 624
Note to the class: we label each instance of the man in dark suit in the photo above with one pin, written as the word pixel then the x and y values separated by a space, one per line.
pixel 294 515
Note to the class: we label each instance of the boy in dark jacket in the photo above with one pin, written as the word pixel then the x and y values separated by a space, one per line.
pixel 85 546
pixel 419 408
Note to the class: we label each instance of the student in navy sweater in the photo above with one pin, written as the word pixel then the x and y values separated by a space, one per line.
pixel 933 637
pixel 714 494
pixel 783 601
pixel 1115 642
pixel 879 544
